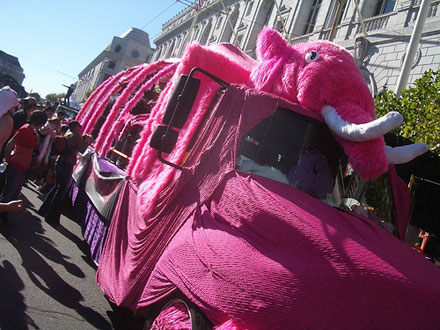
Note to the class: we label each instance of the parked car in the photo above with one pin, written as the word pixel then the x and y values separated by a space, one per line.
pixel 69 111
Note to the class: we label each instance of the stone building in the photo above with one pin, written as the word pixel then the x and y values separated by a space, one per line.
pixel 130 49
pixel 381 35
pixel 10 66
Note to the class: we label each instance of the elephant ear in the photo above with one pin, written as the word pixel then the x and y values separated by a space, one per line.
pixel 270 45
pixel 271 50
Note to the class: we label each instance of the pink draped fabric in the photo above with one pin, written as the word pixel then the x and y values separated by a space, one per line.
pixel 145 167
pixel 133 245
pixel 259 252
pixel 276 258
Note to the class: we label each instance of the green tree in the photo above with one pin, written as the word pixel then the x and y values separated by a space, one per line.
pixel 420 107
pixel 86 96
pixel 53 97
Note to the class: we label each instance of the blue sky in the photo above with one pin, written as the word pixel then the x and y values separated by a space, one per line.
pixel 55 39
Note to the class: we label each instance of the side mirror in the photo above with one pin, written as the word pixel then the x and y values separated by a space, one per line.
pixel 179 106
pixel 181 101
pixel 164 140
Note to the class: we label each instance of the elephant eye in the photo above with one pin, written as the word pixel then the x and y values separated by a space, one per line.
pixel 312 56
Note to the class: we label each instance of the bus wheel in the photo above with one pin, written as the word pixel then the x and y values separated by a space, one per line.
pixel 177 315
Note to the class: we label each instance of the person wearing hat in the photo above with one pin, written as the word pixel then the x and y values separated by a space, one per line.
pixel 8 101
pixel 53 204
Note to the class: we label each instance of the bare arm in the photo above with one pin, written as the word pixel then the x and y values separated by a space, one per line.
pixel 82 142
pixel 12 206
pixel 44 130
pixel 8 150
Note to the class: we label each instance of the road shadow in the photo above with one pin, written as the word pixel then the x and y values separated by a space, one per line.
pixel 36 249
pixel 13 314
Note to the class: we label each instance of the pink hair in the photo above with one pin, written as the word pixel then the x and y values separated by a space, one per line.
pixel 123 116
pixel 98 93
pixel 138 163
pixel 105 131
pixel 92 97
pixel 100 106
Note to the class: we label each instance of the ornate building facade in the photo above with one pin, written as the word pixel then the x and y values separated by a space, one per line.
pixel 377 38
pixel 130 49
pixel 10 66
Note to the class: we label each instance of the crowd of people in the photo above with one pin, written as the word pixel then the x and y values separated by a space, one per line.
pixel 28 135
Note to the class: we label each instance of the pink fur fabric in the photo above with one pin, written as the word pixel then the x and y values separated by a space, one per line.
pixel 98 107
pixel 332 79
pixel 96 97
pixel 145 168
pixel 138 75
pixel 124 104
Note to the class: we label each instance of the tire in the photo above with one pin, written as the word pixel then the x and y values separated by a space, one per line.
pixel 178 314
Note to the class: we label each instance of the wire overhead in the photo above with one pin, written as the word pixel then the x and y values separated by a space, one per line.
pixel 157 16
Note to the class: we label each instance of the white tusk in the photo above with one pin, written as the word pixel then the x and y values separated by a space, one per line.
pixel 360 132
pixel 404 154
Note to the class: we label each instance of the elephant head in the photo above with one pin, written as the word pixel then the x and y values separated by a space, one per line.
pixel 324 78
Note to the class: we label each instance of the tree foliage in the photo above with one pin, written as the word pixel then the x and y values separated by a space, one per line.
pixel 420 107
pixel 86 96
pixel 53 97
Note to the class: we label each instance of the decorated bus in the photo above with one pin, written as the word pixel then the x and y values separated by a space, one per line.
pixel 231 193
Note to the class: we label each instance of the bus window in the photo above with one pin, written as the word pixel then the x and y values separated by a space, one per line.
pixel 293 149
pixel 301 152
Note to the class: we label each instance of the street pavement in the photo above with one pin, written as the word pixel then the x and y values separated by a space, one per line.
pixel 47 279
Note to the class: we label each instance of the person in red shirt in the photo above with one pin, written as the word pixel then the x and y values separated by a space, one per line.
pixel 18 155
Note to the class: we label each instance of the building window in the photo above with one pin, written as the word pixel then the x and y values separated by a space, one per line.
pixel 111 64
pixel 176 49
pixel 249 10
pixel 279 26
pixel 239 40
pixel 332 13
pixel 383 7
pixel 219 22
pixel 313 15
pixel 118 48
pixel 135 54
pixel 196 33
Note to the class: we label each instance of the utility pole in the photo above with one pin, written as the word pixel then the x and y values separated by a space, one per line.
pixel 286 33
pixel 413 45
pixel 338 15
pixel 191 29
pixel 228 18
pixel 361 20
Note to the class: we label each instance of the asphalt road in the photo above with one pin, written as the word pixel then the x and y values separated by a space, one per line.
pixel 47 279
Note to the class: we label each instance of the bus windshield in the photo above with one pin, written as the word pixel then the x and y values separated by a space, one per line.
pixel 301 152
